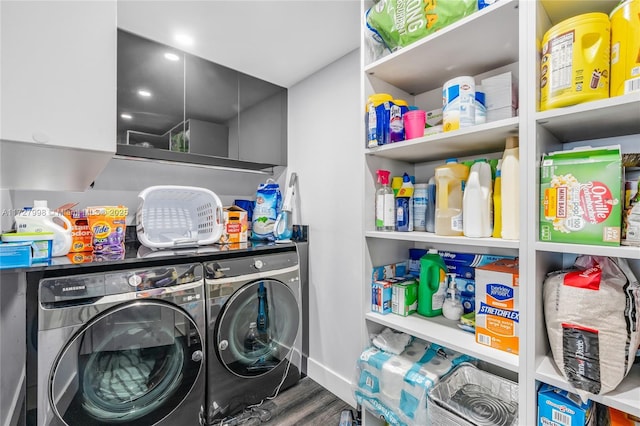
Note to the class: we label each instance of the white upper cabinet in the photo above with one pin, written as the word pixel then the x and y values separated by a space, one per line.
pixel 58 79
pixel 58 85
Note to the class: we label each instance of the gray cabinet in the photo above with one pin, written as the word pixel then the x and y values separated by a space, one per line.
pixel 174 105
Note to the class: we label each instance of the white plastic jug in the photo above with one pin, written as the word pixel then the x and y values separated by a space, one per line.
pixel 450 181
pixel 511 190
pixel 476 201
pixel 41 219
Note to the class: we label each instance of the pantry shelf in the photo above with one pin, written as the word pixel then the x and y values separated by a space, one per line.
pixel 415 68
pixel 621 251
pixel 626 397
pixel 480 139
pixel 430 237
pixel 617 116
pixel 444 332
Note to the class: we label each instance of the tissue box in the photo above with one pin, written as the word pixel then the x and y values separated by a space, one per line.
pixel 500 92
pixel 235 225
pixel 497 305
pixel 559 407
pixel 404 297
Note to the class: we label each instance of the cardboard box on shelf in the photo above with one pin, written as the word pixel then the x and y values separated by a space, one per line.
pixel 581 196
pixel 559 407
pixel 500 91
pixel 497 305
pixel 235 225
pixel 404 296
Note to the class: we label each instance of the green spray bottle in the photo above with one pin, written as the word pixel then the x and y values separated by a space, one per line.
pixel 432 284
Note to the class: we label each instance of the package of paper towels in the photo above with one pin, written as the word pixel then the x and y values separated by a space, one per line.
pixel 396 386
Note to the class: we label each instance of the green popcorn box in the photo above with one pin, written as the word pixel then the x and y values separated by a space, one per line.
pixel 581 196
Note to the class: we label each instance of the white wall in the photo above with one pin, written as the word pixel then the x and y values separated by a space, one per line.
pixel 325 149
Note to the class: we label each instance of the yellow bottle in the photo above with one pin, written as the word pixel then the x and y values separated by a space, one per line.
pixel 497 202
pixel 450 181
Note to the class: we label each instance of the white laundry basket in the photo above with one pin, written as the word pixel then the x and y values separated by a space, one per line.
pixel 170 216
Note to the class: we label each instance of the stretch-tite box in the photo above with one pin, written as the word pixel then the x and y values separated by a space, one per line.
pixel 497 306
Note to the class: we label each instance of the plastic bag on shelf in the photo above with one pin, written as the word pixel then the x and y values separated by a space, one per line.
pixel 400 23
pixel 395 386
pixel 592 314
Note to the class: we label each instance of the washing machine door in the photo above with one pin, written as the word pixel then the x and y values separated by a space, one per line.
pixel 131 365
pixel 250 350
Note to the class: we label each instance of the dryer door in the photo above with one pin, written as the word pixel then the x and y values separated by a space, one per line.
pixel 250 351
pixel 131 365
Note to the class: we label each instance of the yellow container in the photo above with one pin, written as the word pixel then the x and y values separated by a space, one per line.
pixel 575 61
pixel 625 48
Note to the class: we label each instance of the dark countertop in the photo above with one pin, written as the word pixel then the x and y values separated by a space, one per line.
pixel 136 255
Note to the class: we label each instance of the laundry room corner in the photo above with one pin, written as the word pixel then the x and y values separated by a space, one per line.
pixel 323 123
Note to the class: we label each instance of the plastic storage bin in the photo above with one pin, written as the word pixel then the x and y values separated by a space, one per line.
pixel 171 216
pixel 472 397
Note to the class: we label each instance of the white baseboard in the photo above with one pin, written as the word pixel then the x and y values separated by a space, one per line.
pixel 13 415
pixel 330 380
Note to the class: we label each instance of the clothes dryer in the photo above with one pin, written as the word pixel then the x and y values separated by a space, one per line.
pixel 124 347
pixel 254 329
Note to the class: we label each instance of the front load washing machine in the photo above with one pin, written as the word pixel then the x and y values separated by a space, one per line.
pixel 254 329
pixel 124 347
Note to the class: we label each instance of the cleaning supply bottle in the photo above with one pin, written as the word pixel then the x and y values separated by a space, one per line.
pixel 419 206
pixel 41 219
pixel 497 202
pixel 404 220
pixel 510 191
pixel 432 284
pixel 431 205
pixel 476 201
pixel 450 181
pixel 452 307
pixel 385 211
pixel 378 111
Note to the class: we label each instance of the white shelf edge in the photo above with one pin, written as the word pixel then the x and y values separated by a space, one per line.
pixel 626 397
pixel 603 104
pixel 628 252
pixel 446 137
pixel 443 332
pixel 429 237
pixel 438 34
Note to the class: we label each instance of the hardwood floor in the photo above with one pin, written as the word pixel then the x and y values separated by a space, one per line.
pixel 306 403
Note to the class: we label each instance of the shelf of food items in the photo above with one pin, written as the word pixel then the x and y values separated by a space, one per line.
pixel 403 38
pixel 593 330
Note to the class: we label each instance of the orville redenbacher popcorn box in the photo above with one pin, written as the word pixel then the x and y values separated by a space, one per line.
pixel 581 196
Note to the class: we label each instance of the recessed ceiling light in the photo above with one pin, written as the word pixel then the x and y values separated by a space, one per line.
pixel 184 39
pixel 144 93
pixel 171 56
pixel 126 116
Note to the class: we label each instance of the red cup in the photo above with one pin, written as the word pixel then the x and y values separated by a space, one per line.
pixel 414 122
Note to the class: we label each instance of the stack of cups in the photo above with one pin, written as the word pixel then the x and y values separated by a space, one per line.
pixel 414 122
